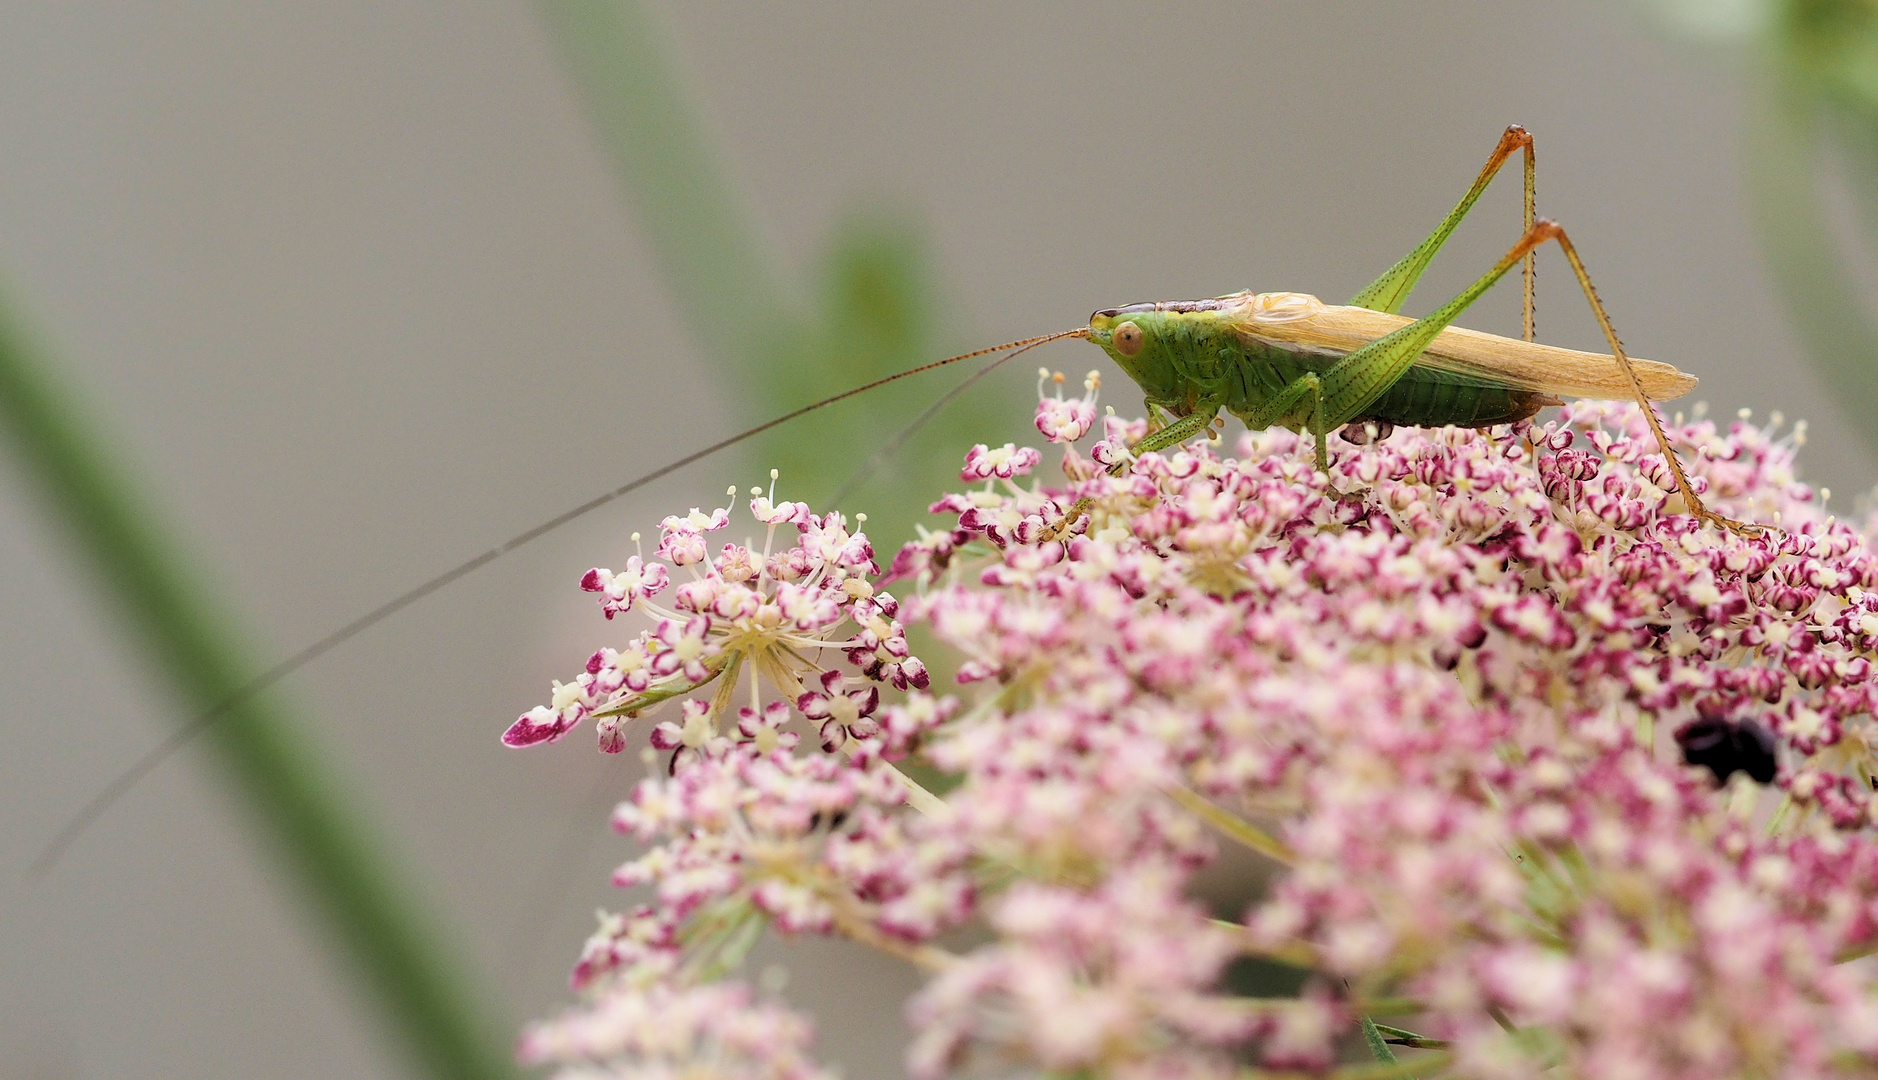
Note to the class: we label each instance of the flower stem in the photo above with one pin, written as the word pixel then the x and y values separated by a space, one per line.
pixel 1428 1064
pixel 389 938
pixel 1378 1046
pixel 698 226
pixel 925 957
pixel 1396 1036
pixel 1232 825
pixel 918 797
pixel 1297 954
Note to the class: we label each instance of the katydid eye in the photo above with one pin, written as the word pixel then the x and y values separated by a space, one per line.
pixel 1128 339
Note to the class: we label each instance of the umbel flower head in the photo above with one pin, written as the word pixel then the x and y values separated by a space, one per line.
pixel 772 611
pixel 1553 777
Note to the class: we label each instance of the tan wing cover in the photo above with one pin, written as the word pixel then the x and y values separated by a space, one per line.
pixel 1304 320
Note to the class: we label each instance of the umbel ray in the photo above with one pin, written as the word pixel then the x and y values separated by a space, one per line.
pixel 1274 359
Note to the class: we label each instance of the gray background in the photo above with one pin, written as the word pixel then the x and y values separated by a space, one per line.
pixel 354 286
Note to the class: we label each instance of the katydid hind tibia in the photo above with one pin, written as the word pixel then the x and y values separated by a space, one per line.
pixel 1271 359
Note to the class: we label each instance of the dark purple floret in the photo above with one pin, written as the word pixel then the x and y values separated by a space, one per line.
pixel 1723 746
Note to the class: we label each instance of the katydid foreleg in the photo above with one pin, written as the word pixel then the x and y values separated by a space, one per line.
pixel 1281 407
pixel 1181 429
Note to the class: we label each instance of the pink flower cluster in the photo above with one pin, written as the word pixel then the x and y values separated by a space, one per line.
pixel 1063 421
pixel 764 610
pixel 1449 686
pixel 709 1032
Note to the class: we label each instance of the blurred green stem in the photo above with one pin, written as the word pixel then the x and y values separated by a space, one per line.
pixel 774 345
pixel 703 237
pixel 1790 121
pixel 390 940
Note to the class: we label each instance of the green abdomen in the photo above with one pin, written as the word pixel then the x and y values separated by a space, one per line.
pixel 1423 397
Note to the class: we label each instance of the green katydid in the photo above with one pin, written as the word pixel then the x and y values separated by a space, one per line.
pixel 1272 359
pixel 1290 360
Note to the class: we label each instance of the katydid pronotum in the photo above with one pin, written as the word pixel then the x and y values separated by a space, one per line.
pixel 1271 359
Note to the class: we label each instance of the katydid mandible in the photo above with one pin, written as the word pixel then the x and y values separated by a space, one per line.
pixel 1271 359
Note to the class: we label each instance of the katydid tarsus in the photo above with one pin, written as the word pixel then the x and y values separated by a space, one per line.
pixel 1271 359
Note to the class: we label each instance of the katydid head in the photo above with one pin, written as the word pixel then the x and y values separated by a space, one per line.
pixel 1136 340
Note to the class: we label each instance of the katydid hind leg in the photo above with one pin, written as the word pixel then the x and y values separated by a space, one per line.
pixel 1529 328
pixel 1702 513
pixel 1319 428
pixel 1352 384
pixel 1391 290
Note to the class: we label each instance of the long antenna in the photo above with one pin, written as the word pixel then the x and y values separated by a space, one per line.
pixel 55 848
pixel 892 446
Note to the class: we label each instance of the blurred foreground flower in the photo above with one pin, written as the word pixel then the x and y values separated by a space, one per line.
pixel 1501 711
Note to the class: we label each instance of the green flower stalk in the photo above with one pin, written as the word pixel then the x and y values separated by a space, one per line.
pixel 390 940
